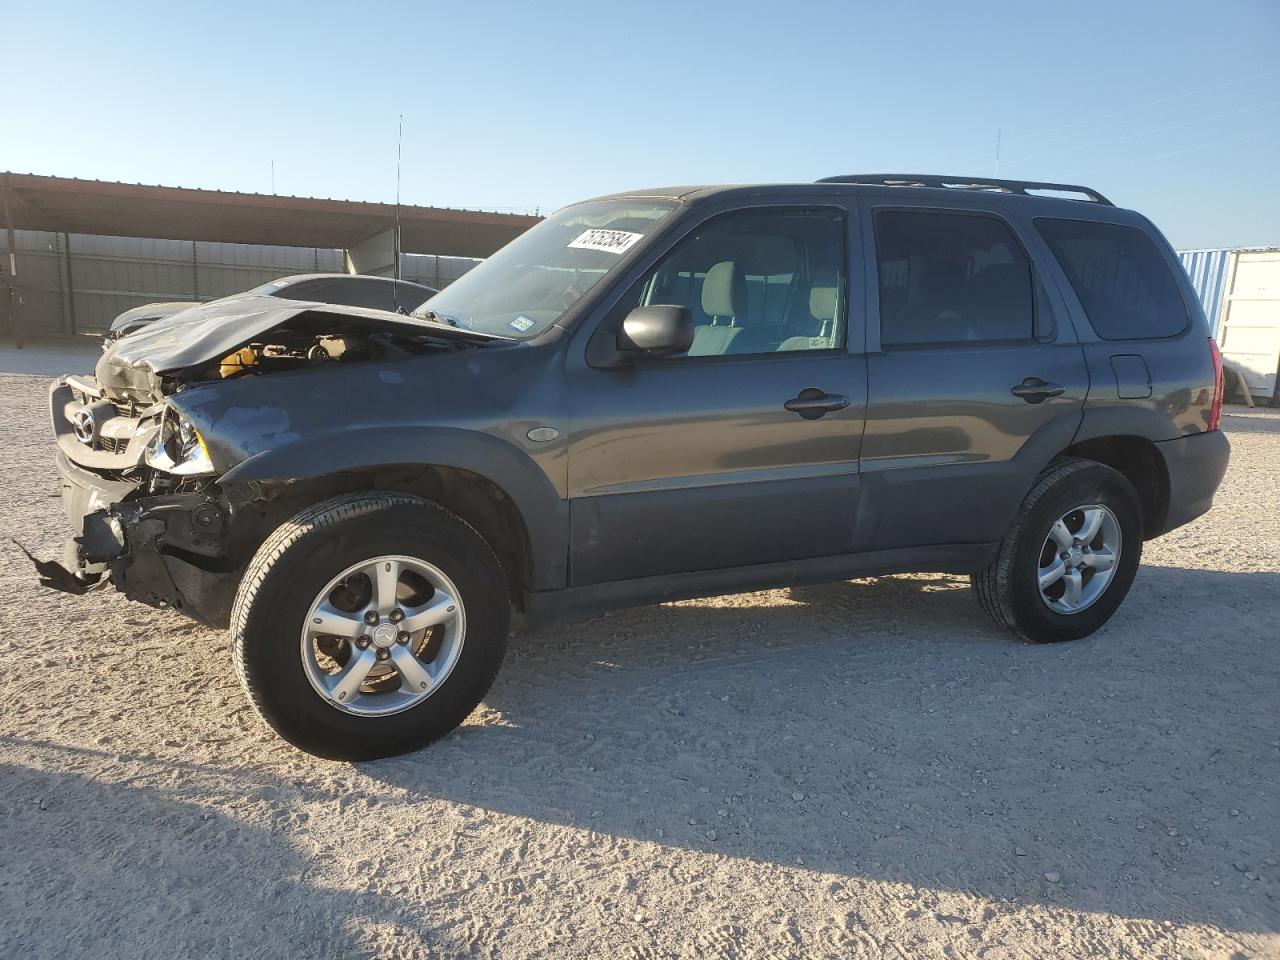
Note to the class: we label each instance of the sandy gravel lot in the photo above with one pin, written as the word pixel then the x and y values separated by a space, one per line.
pixel 867 769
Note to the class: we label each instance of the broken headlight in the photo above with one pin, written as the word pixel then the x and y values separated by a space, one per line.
pixel 178 448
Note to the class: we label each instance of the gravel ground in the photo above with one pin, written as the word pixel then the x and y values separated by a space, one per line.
pixel 864 769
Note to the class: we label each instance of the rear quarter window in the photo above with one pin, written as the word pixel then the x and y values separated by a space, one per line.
pixel 1125 285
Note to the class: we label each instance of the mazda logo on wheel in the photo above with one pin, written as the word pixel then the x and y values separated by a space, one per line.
pixel 82 424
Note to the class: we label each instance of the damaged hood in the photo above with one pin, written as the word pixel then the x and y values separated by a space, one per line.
pixel 207 332
pixel 149 312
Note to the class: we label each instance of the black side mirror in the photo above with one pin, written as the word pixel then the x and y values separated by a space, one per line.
pixel 659 330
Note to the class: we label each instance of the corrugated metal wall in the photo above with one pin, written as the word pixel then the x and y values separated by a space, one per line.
pixel 79 283
pixel 1208 272
pixel 226 268
pixel 432 270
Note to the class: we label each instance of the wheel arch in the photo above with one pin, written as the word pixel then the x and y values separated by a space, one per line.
pixel 493 486
pixel 1138 460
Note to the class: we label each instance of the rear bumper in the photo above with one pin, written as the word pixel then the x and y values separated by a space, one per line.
pixel 1196 465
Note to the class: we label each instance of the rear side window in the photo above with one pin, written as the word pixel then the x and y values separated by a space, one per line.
pixel 949 278
pixel 348 292
pixel 1124 284
pixel 375 294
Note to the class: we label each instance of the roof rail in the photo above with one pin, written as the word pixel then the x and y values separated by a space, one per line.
pixel 1023 187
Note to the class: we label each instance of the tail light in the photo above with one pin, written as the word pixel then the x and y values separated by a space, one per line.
pixel 1219 382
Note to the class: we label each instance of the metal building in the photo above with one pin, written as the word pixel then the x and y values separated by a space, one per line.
pixel 79 252
pixel 1240 291
pixel 1208 272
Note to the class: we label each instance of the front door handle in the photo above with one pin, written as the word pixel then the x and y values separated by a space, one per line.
pixel 813 403
pixel 1035 390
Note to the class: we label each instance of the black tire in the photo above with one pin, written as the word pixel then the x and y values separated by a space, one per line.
pixel 293 566
pixel 1008 589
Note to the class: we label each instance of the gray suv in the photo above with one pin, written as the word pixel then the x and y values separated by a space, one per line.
pixel 656 395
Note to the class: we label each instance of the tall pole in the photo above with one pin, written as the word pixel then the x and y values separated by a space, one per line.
pixel 71 283
pixel 10 291
pixel 396 244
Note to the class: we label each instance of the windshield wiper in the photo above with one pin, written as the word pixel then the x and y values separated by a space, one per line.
pixel 444 320
pixel 433 317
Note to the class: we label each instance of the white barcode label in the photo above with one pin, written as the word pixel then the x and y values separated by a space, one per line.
pixel 610 241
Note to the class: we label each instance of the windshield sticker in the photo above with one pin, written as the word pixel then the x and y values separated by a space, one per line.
pixel 610 241
pixel 521 323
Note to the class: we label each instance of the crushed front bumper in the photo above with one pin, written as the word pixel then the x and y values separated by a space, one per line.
pixel 167 550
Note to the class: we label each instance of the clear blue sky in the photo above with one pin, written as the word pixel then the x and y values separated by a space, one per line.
pixel 1167 106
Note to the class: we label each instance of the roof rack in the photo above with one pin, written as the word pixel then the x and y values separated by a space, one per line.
pixel 1023 187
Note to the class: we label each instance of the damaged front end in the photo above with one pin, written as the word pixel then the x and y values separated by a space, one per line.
pixel 143 501
pixel 140 483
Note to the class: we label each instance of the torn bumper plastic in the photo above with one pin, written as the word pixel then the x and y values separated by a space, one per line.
pixel 165 551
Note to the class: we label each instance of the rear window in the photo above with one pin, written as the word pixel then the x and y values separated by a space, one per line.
pixel 951 277
pixel 1124 284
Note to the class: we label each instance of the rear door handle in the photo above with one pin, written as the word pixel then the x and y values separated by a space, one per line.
pixel 1035 390
pixel 813 403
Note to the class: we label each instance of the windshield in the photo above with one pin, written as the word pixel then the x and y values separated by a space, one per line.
pixel 523 289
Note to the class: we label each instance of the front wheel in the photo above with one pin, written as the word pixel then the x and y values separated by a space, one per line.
pixel 369 625
pixel 1068 559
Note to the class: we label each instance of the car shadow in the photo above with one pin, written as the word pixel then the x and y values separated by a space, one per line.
pixel 96 869
pixel 883 729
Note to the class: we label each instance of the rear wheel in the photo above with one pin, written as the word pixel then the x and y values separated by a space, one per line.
pixel 369 625
pixel 1069 557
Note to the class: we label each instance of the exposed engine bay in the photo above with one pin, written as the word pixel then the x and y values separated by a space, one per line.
pixel 162 359
pixel 291 348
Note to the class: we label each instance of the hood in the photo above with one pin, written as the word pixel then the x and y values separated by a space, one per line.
pixel 149 311
pixel 203 334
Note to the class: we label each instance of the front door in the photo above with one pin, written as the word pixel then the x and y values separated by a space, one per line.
pixel 744 450
pixel 977 382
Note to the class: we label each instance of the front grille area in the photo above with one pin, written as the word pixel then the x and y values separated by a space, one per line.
pixel 112 444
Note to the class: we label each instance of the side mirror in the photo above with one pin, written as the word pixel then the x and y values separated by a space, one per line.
pixel 659 330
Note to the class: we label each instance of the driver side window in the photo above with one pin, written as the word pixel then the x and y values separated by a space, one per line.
pixel 769 280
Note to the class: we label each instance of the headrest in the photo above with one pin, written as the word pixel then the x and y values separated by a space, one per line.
pixel 822 303
pixel 1000 277
pixel 724 291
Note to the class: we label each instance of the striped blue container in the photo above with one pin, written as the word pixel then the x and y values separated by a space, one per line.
pixel 1208 272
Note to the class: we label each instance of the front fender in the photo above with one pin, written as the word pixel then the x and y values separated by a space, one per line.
pixel 545 514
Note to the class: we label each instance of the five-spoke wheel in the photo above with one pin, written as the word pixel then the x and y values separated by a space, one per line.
pixel 369 625
pixel 1078 558
pixel 383 635
pixel 1069 556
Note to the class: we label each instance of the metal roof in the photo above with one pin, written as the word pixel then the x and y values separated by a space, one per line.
pixel 69 205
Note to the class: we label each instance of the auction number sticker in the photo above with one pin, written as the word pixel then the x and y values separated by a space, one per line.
pixel 610 241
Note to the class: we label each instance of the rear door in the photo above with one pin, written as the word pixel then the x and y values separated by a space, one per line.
pixel 745 450
pixel 975 378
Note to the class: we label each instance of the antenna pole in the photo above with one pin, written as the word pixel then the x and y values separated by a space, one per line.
pixel 273 177
pixel 999 135
pixel 399 148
